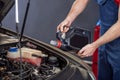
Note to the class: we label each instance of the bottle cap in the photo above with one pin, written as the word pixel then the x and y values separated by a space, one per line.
pixel 13 49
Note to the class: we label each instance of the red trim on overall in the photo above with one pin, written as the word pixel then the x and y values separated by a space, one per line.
pixel 95 55
pixel 117 2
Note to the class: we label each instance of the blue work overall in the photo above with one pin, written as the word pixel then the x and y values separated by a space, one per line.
pixel 109 54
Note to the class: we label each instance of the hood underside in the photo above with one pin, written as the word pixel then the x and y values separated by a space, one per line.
pixel 5 6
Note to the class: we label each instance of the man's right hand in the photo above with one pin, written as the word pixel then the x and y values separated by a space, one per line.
pixel 64 26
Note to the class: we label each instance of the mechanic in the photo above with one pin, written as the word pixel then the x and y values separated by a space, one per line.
pixel 108 43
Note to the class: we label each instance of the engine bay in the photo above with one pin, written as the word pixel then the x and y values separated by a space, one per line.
pixel 34 64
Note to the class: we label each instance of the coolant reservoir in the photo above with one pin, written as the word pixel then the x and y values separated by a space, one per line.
pixel 29 55
pixel 13 52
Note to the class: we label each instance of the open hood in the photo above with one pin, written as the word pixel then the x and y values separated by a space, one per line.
pixel 5 6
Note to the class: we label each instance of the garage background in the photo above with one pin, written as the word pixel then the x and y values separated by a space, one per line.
pixel 45 15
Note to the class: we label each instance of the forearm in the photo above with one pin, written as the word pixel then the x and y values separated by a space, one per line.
pixel 77 8
pixel 111 34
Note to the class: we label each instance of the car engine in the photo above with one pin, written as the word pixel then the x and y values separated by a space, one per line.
pixel 38 66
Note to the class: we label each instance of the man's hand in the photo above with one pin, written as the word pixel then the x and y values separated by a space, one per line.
pixel 64 26
pixel 87 50
pixel 77 8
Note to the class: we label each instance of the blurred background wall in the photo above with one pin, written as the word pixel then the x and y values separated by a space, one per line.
pixel 45 15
